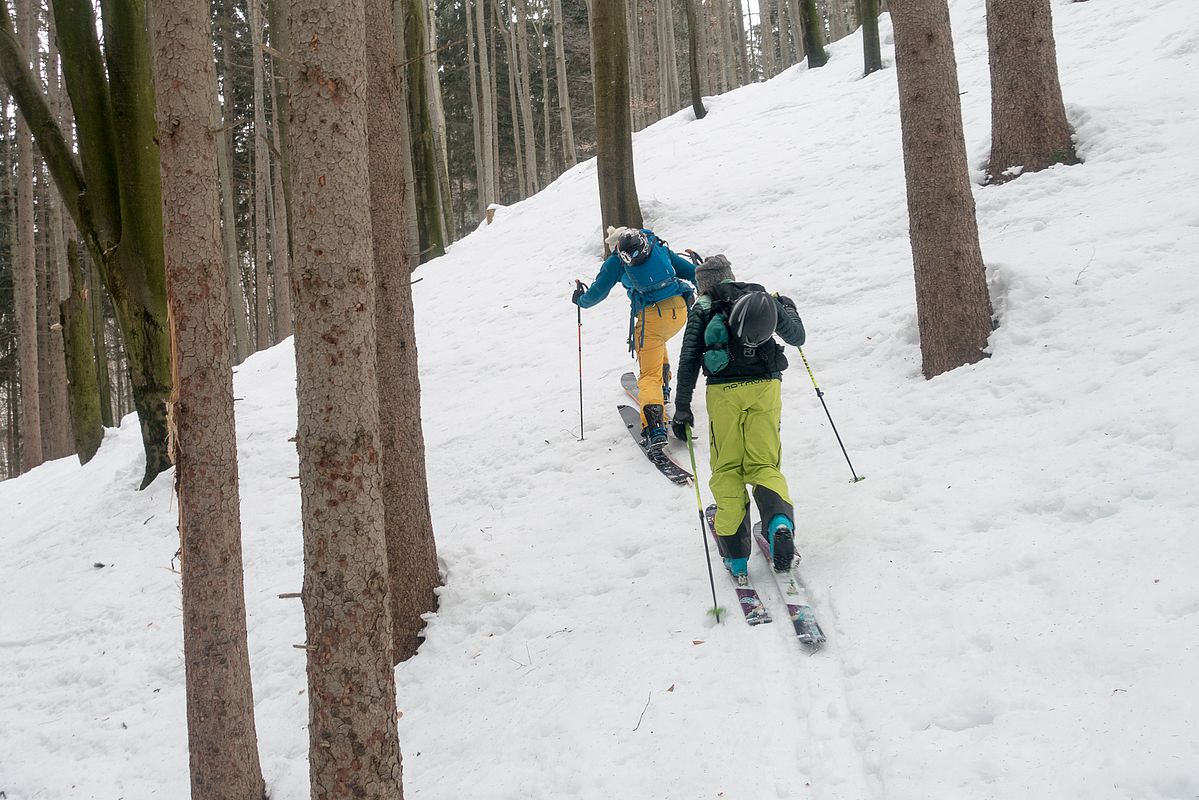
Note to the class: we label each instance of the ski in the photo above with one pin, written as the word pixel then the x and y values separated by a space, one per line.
pixel 807 629
pixel 673 471
pixel 747 596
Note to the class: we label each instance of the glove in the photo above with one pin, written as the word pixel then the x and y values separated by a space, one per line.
pixel 786 301
pixel 580 287
pixel 683 418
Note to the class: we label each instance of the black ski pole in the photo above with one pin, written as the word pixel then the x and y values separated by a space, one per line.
pixel 820 394
pixel 579 309
pixel 702 525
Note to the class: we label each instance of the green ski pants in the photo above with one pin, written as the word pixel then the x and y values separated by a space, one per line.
pixel 743 423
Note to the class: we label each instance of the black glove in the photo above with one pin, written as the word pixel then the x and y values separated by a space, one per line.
pixel 787 302
pixel 683 418
pixel 580 287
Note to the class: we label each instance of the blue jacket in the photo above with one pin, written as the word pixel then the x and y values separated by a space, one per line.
pixel 613 270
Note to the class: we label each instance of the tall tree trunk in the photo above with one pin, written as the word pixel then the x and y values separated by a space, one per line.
pixel 744 70
pixel 521 40
pixel 508 35
pixel 613 126
pixel 813 34
pixel 728 55
pixel 95 295
pixel 486 155
pixel 262 185
pixel 637 92
pixel 1029 129
pixel 952 304
pixel 872 54
pixel 411 16
pixel 222 743
pixel 408 525
pixel 440 133
pixel 25 293
pixel 476 108
pixel 547 151
pixel 767 37
pixel 353 743
pixel 280 219
pixel 693 55
pixel 238 310
pixel 568 132
pixel 87 424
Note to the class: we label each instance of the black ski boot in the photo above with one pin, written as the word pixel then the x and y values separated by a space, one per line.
pixel 654 432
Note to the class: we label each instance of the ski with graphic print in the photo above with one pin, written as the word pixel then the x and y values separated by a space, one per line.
pixel 674 472
pixel 747 596
pixel 795 595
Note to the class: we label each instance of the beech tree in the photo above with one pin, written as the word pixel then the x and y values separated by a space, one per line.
pixel 1029 129
pixel 613 123
pixel 952 303
pixel 872 54
pixel 111 190
pixel 353 741
pixel 222 743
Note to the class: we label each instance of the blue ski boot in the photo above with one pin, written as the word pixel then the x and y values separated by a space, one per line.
pixel 782 542
pixel 737 567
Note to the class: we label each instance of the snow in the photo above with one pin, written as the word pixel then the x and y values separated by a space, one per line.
pixel 1009 596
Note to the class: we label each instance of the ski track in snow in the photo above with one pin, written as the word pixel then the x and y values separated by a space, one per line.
pixel 1009 595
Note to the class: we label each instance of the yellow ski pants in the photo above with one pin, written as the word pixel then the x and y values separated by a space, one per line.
pixel 743 425
pixel 654 327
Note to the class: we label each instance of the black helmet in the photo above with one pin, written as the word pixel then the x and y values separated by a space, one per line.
pixel 753 318
pixel 633 247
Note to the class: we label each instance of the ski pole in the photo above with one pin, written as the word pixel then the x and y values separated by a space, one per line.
pixel 702 524
pixel 820 394
pixel 579 309
pixel 695 257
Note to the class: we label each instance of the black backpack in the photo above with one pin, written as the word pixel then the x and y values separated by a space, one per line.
pixel 724 356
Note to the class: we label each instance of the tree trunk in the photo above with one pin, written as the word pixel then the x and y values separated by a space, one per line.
pixel 638 100
pixel 476 116
pixel 524 90
pixel 813 34
pixel 95 293
pixel 84 393
pixel 508 35
pixel 277 22
pixel 693 48
pixel 744 71
pixel 568 131
pixel 767 38
pixel 408 525
pixel 548 172
pixel 239 331
pixel 424 153
pixel 872 54
pixel 1029 129
pixel 222 743
pixel 440 134
pixel 613 126
pixel 353 743
pixel 262 183
pixel 486 156
pixel 281 252
pixel 728 55
pixel 952 304
pixel 25 294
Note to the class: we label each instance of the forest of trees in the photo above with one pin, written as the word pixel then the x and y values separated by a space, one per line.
pixel 162 161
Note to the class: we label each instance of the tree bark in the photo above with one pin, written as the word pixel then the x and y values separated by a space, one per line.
pixel 693 48
pixel 613 125
pixel 1029 129
pixel 410 13
pixel 25 293
pixel 487 96
pixel 568 132
pixel 952 304
pixel 744 70
pixel 767 38
pixel 280 220
pixel 440 133
pixel 519 24
pixel 87 424
pixel 353 742
pixel 872 54
pixel 262 183
pixel 638 97
pixel 222 742
pixel 408 524
pixel 813 34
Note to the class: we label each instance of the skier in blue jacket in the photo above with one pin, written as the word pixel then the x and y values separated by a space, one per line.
pixel 650 273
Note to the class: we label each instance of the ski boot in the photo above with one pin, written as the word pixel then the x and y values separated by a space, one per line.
pixel 782 542
pixel 737 567
pixel 654 432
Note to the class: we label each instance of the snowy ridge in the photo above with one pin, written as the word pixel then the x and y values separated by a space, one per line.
pixel 1009 597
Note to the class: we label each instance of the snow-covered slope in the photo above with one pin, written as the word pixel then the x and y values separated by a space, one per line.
pixel 1010 595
